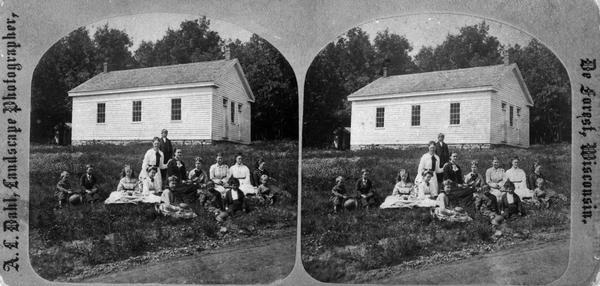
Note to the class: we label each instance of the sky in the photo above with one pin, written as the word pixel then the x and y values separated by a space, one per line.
pixel 420 30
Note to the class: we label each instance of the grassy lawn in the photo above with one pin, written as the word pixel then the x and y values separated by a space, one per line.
pixel 335 245
pixel 64 242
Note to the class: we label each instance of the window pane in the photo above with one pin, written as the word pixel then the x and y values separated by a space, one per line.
pixel 379 117
pixel 176 109
pixel 137 111
pixel 454 113
pixel 510 116
pixel 101 113
pixel 415 116
pixel 232 112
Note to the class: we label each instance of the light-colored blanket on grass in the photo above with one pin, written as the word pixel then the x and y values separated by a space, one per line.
pixel 133 198
pixel 407 201
pixel 176 211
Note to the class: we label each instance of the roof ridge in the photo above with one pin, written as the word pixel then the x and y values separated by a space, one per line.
pixel 169 66
pixel 449 70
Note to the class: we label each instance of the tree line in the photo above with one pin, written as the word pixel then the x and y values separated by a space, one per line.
pixel 353 61
pixel 79 56
pixel 341 68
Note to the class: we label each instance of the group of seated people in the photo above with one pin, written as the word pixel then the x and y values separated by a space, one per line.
pixel 222 191
pixel 499 195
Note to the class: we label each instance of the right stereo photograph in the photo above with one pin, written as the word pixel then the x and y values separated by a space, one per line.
pixel 436 150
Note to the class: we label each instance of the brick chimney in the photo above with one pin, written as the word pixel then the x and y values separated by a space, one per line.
pixel 505 58
pixel 105 67
pixel 227 53
pixel 385 71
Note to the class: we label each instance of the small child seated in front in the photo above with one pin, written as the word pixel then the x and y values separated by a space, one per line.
pixel 264 192
pixel 234 197
pixel 339 197
pixel 64 193
pixel 510 204
pixel 443 210
pixel 486 205
pixel 543 196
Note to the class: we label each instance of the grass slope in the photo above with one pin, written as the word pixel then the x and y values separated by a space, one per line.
pixel 333 245
pixel 64 242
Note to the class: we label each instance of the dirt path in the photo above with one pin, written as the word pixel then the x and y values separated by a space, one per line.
pixel 524 265
pixel 250 262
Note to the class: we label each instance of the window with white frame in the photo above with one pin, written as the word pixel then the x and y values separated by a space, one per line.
pixel 176 109
pixel 454 113
pixel 101 113
pixel 136 111
pixel 415 115
pixel 379 117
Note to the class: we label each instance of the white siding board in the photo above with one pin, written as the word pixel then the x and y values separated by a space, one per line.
pixel 435 118
pixel 231 87
pixel 510 91
pixel 156 115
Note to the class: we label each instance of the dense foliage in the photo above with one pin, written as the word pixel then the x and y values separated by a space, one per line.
pixel 79 56
pixel 353 61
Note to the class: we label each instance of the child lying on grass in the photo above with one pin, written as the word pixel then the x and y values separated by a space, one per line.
pixel 443 210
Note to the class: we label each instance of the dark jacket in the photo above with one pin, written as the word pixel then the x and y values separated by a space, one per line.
pixel 442 152
pixel 88 184
pixel 230 202
pixel 509 209
pixel 167 149
pixel 531 180
pixel 173 170
pixel 450 174
pixel 364 188
pixel 256 174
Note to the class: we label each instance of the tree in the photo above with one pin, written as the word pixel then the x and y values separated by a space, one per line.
pixel 471 47
pixel 112 46
pixel 392 51
pixel 275 110
pixel 192 42
pixel 548 84
pixel 68 63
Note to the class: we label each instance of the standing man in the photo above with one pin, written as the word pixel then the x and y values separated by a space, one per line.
pixel 167 148
pixel 441 150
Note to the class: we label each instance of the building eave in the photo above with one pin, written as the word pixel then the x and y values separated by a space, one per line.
pixel 422 93
pixel 142 89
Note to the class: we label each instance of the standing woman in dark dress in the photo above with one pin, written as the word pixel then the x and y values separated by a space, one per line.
pixel 89 185
pixel 364 187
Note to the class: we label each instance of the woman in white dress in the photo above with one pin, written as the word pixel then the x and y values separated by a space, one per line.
pixel 429 162
pixel 518 177
pixel 219 174
pixel 153 157
pixel 128 185
pixel 242 173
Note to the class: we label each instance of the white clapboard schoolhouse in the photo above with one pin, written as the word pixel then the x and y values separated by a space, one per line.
pixel 474 106
pixel 196 102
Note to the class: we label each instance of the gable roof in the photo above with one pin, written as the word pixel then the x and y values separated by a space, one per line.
pixel 468 78
pixel 199 72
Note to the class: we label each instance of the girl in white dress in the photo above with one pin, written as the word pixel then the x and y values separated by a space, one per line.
pixel 429 162
pixel 153 157
pixel 518 177
pixel 242 173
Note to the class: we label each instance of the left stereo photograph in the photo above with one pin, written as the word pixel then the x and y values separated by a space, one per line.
pixel 164 149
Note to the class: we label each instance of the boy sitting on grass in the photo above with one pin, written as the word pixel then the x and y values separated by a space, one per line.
pixel 510 204
pixel 64 192
pixel 234 198
pixel 212 201
pixel 89 185
pixel 339 197
pixel 443 210
pixel 486 205
pixel 543 196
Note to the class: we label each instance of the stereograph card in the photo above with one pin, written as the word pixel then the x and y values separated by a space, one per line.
pixel 299 142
